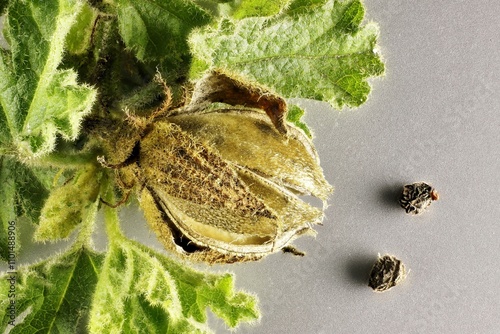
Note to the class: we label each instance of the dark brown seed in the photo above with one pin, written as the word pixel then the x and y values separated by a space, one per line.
pixel 387 272
pixel 417 197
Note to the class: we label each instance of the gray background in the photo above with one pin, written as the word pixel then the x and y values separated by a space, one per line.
pixel 434 117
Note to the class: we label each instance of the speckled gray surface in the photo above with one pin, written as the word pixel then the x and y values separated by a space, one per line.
pixel 434 117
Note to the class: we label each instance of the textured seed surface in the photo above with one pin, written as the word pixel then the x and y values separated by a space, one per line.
pixel 417 197
pixel 386 273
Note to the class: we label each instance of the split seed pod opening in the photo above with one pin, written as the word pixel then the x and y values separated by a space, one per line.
pixel 223 185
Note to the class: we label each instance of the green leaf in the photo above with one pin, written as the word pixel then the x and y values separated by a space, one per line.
pixel 155 34
pixel 294 116
pixel 23 193
pixel 54 296
pixel 141 291
pixel 218 8
pixel 3 5
pixel 157 29
pixel 239 9
pixel 7 208
pixel 69 205
pixel 33 186
pixel 303 6
pixel 254 8
pixel 323 54
pixel 37 100
pixel 79 37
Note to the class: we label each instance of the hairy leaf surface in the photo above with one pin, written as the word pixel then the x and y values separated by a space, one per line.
pixel 158 29
pixel 141 291
pixel 323 54
pixel 52 296
pixel 37 100
pixel 23 193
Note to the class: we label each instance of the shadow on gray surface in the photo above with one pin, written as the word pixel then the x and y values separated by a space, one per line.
pixel 389 195
pixel 358 268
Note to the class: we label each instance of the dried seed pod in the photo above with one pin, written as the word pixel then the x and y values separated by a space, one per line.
pixel 417 197
pixel 387 272
pixel 220 185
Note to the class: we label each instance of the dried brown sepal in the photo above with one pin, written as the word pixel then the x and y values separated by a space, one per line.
pixel 386 273
pixel 217 86
pixel 416 197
